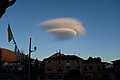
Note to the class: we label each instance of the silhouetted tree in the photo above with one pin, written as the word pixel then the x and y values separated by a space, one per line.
pixel 90 58
pixel 95 59
pixel 99 59
pixel 4 4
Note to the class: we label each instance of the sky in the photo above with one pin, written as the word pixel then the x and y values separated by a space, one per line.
pixel 99 18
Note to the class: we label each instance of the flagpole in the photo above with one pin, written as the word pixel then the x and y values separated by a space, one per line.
pixel 11 37
pixel 16 47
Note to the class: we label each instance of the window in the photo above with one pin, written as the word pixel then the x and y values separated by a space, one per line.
pixel 68 61
pixel 59 70
pixel 68 68
pixel 50 77
pixel 78 67
pixel 49 69
pixel 49 61
pixel 91 67
pixel 99 76
pixel 98 68
pixel 88 77
pixel 59 61
pixel 77 61
pixel 85 68
pixel 59 76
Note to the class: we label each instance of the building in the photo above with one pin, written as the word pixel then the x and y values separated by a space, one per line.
pixel 116 68
pixel 70 67
pixel 58 65
pixel 92 69
pixel 11 60
pixel 8 55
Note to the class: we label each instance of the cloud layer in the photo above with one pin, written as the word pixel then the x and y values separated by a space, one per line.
pixel 64 28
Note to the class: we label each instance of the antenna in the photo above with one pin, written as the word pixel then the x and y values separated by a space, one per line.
pixel 59 50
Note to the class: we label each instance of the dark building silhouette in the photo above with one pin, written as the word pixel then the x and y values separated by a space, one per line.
pixel 116 68
pixel 71 67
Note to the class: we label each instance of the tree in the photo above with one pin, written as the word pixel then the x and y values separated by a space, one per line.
pixel 90 58
pixel 99 59
pixel 4 4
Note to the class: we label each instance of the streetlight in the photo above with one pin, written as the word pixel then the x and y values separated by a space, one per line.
pixel 35 48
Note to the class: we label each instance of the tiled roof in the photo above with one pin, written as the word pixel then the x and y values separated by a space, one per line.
pixel 8 55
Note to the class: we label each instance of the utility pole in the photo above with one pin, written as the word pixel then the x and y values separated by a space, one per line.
pixel 30 58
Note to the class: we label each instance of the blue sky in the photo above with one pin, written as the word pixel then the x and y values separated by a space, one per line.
pixel 101 19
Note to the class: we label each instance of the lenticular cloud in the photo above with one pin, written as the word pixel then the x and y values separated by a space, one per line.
pixel 64 28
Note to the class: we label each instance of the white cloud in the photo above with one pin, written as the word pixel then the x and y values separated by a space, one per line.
pixel 64 28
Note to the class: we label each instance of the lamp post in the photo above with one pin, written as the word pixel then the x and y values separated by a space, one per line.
pixel 30 58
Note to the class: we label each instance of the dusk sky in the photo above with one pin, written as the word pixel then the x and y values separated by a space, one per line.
pixel 98 19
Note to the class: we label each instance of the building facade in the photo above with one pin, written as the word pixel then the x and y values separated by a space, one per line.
pixel 70 67
pixel 92 70
pixel 116 68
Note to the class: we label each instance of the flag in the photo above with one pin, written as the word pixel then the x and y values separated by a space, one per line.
pixel 10 35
